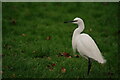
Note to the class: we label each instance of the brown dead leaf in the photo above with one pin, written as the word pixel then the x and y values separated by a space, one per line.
pixel 48 37
pixel 63 70
pixel 69 56
pixel 77 56
pixel 53 65
pixel 65 54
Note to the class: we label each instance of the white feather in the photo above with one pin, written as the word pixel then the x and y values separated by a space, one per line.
pixel 84 44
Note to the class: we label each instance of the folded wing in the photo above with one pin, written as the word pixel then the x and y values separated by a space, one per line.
pixel 87 47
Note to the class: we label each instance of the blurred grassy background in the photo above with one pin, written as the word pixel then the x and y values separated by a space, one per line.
pixel 34 35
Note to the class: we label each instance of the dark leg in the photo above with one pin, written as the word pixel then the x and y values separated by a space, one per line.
pixel 89 65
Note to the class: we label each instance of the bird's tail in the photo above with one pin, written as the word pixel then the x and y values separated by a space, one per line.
pixel 102 61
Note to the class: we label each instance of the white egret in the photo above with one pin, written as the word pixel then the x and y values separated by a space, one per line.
pixel 84 44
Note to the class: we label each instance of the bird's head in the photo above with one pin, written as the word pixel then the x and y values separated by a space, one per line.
pixel 75 21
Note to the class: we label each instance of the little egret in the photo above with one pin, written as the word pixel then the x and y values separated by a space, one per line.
pixel 84 44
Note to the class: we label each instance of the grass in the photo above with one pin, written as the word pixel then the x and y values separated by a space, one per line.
pixel 34 35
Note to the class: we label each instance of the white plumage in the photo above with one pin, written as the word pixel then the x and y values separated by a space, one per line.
pixel 84 44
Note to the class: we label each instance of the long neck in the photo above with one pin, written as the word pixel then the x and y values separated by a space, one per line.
pixel 76 33
pixel 80 27
pixel 78 30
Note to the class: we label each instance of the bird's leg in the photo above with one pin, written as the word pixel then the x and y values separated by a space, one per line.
pixel 89 65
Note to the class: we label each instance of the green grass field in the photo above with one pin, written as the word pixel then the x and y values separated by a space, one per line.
pixel 34 35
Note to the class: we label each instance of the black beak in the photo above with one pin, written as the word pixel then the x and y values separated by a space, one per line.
pixel 69 21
